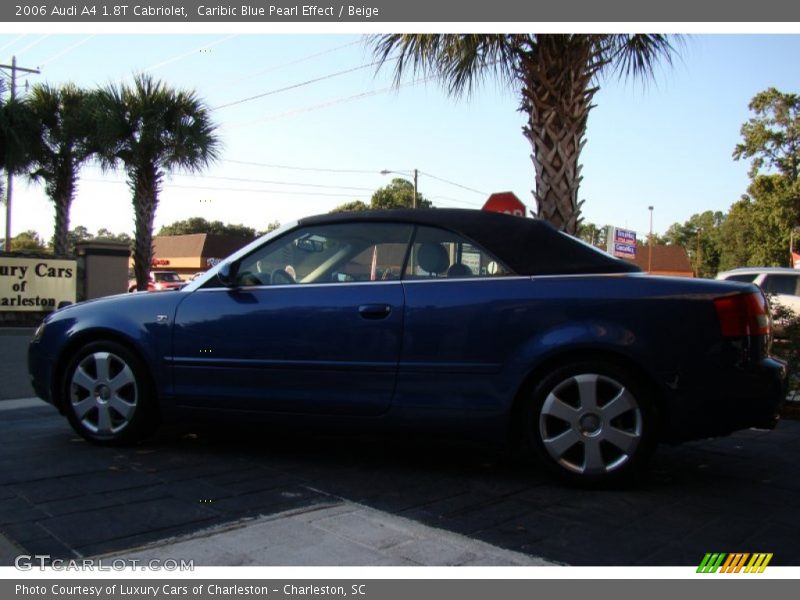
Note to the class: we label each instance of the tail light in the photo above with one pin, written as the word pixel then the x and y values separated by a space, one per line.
pixel 743 315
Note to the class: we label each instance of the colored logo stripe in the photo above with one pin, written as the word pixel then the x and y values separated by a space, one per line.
pixel 734 562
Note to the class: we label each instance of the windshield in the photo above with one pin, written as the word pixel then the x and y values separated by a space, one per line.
pixel 169 276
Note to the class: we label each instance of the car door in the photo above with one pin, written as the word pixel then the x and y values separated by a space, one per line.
pixel 313 324
pixel 465 314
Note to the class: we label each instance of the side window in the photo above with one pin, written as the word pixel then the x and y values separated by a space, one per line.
pixel 781 284
pixel 440 254
pixel 338 253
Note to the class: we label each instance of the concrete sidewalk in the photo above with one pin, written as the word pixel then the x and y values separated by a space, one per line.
pixel 343 534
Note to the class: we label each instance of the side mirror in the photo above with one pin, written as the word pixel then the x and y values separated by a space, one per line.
pixel 227 274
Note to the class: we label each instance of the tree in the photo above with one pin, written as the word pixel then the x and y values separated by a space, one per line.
pixel 200 225
pixel 772 137
pixel 105 234
pixel 701 236
pixel 150 129
pixel 355 205
pixel 27 241
pixel 271 226
pixel 555 76
pixel 17 133
pixel 592 234
pixel 62 146
pixel 398 194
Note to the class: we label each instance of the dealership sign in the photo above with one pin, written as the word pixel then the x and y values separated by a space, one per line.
pixel 623 243
pixel 36 284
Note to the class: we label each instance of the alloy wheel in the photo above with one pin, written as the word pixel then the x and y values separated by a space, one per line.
pixel 103 393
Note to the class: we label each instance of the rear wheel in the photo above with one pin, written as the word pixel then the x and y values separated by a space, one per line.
pixel 107 394
pixel 592 423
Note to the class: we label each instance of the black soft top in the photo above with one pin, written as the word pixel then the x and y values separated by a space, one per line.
pixel 527 246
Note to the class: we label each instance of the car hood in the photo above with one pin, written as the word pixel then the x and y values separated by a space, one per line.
pixel 136 303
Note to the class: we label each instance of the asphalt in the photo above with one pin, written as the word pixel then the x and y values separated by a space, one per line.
pixel 321 530
pixel 255 497
pixel 14 382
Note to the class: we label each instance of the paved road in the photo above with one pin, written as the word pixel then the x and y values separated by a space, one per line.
pixel 64 497
pixel 13 363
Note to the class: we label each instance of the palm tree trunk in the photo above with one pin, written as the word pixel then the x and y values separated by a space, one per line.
pixel 63 195
pixel 557 97
pixel 146 184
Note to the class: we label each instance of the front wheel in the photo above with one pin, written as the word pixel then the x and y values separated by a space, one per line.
pixel 107 394
pixel 592 423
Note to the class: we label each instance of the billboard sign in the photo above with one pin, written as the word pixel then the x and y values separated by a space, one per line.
pixel 36 284
pixel 623 244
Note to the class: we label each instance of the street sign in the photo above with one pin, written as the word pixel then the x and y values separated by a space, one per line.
pixel 623 243
pixel 505 202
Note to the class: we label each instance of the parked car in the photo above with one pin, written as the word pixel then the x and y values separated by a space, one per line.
pixel 440 320
pixel 160 280
pixel 781 284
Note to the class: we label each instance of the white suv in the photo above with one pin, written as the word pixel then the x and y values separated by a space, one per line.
pixel 782 284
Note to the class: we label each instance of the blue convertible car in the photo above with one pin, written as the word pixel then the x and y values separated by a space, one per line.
pixel 438 319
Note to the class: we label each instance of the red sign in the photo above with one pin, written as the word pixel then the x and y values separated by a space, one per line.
pixel 505 202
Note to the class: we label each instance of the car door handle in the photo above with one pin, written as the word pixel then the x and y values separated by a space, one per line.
pixel 374 311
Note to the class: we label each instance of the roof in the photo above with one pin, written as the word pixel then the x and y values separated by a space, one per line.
pixel 759 270
pixel 205 245
pixel 527 246
pixel 665 259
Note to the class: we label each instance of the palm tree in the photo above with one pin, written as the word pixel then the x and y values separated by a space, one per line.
pixel 150 129
pixel 65 124
pixel 17 134
pixel 556 78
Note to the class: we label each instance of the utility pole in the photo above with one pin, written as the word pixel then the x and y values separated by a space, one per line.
pixel 414 203
pixel 10 181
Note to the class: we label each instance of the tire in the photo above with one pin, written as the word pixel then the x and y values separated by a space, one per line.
pixel 592 423
pixel 108 396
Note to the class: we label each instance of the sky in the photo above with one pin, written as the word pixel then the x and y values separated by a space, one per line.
pixel 289 153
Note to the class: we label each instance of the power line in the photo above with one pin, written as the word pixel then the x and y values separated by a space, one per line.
pixel 67 50
pixel 332 102
pixel 12 42
pixel 35 42
pixel 291 63
pixel 297 85
pixel 189 53
pixel 458 185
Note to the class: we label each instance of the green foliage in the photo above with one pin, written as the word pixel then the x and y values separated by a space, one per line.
pixel 772 137
pixel 701 237
pixel 27 241
pixel 62 145
pixel 150 129
pixel 201 225
pixel 355 205
pixel 271 226
pixel 398 194
pixel 757 230
pixel 593 234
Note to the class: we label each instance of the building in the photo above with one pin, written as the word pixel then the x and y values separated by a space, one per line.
pixel 194 252
pixel 665 260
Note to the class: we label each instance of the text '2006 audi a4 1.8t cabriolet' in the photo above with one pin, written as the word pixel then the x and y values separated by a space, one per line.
pixel 469 321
